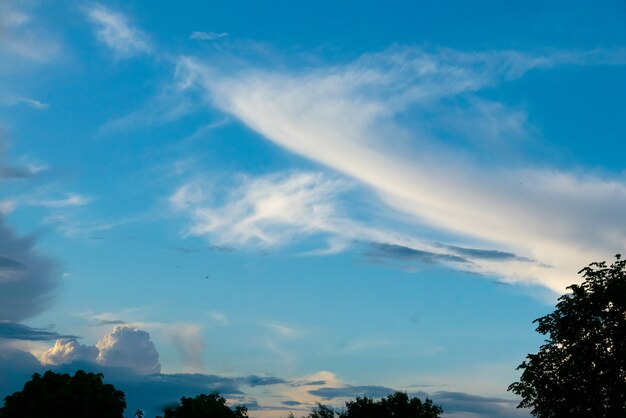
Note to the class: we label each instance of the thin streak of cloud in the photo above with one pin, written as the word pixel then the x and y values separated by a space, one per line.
pixel 207 36
pixel 71 200
pixel 35 104
pixel 17 331
pixel 283 330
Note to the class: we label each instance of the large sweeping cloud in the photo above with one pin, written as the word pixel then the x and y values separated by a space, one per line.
pixel 383 121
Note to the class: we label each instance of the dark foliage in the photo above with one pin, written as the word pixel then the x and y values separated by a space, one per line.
pixel 322 411
pixel 60 395
pixel 580 370
pixel 398 405
pixel 205 406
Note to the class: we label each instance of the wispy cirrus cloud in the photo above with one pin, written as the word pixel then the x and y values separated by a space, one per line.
pixel 352 119
pixel 115 30
pixel 273 210
pixel 23 40
pixel 267 211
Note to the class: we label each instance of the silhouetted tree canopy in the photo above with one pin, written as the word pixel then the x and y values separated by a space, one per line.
pixel 398 405
pixel 60 395
pixel 580 370
pixel 205 406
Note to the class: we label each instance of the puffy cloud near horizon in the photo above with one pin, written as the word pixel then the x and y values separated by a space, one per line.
pixel 68 351
pixel 123 347
pixel 128 347
pixel 352 119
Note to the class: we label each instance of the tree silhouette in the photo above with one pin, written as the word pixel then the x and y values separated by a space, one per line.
pixel 397 405
pixel 580 370
pixel 205 406
pixel 60 395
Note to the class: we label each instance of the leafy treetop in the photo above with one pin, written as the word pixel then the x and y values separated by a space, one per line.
pixel 205 406
pixel 397 405
pixel 580 370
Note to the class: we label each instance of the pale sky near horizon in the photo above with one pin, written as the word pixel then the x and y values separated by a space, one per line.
pixel 291 202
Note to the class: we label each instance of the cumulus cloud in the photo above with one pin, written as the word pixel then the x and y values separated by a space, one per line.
pixel 68 351
pixel 124 347
pixel 128 347
pixel 348 117
pixel 115 31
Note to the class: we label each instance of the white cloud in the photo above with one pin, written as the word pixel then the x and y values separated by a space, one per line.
pixel 68 351
pixel 35 104
pixel 186 338
pixel 267 210
pixel 123 347
pixel 115 31
pixel 345 117
pixel 128 347
pixel 207 36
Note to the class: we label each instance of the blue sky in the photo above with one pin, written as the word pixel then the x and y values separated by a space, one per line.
pixel 294 202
